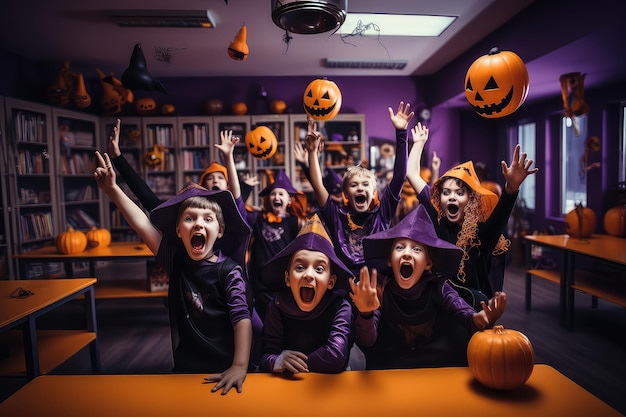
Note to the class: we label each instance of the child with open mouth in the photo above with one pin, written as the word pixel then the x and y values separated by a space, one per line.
pixel 409 316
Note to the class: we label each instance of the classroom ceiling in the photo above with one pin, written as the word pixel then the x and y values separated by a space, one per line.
pixel 80 32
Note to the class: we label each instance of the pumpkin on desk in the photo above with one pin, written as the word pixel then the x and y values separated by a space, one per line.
pixel 98 237
pixel 71 241
pixel 580 222
pixel 615 221
pixel 500 358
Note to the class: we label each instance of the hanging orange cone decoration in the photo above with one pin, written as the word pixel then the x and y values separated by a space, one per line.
pixel 81 97
pixel 238 48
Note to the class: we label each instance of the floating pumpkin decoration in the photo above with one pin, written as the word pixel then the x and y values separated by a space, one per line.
pixel 261 142
pixel 168 109
pixel 71 241
pixel 500 358
pixel 322 99
pixel 146 106
pixel 615 221
pixel 98 237
pixel 580 222
pixel 496 84
pixel 278 106
pixel 240 108
pixel 81 97
pixel 114 95
pixel 214 106
pixel 238 48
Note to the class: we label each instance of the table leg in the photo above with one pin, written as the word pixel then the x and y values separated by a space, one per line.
pixel 92 326
pixel 31 349
pixel 567 292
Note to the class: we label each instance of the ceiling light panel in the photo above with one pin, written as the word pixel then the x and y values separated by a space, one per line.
pixel 162 18
pixel 395 24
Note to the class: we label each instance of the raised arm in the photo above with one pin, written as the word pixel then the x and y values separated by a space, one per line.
pixel 136 217
pixel 314 146
pixel 400 121
pixel 515 174
pixel 227 146
pixel 420 136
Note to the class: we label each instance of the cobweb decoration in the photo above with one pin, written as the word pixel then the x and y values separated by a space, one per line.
pixel 287 40
pixel 360 30
pixel 165 55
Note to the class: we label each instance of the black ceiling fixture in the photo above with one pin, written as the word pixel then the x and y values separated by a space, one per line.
pixel 309 16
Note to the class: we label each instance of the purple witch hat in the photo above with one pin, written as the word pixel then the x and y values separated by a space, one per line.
pixel 312 236
pixel 416 226
pixel 280 181
pixel 236 237
pixel 332 181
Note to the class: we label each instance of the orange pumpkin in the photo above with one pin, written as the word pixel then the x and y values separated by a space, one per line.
pixel 615 221
pixel 240 108
pixel 278 106
pixel 261 142
pixel 168 109
pixel 322 99
pixel 146 106
pixel 98 237
pixel 238 48
pixel 580 222
pixel 71 241
pixel 214 106
pixel 500 358
pixel 496 84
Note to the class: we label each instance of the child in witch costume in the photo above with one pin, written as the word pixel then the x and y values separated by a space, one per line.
pixel 209 299
pixel 411 317
pixel 273 229
pixel 472 217
pixel 308 324
pixel 362 212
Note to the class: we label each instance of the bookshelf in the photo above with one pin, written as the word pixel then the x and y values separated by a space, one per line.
pixel 161 167
pixel 6 266
pixel 196 147
pixel 32 185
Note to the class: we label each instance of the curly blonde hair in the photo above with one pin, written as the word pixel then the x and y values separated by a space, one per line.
pixel 467 237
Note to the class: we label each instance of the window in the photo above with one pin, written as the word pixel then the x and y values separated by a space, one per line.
pixel 527 142
pixel 573 176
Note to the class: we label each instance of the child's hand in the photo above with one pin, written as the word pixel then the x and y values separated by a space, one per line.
pixel 491 312
pixel 291 361
pixel 313 139
pixel 436 163
pixel 363 292
pixel 300 153
pixel 518 171
pixel 232 377
pixel 251 180
pixel 228 142
pixel 419 134
pixel 401 119
pixel 104 173
pixel 114 140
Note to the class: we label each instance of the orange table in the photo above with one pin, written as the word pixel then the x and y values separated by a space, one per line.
pixel 43 351
pixel 397 393
pixel 605 248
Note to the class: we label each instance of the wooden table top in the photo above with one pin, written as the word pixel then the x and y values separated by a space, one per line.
pixel 607 247
pixel 45 292
pixel 397 393
pixel 116 250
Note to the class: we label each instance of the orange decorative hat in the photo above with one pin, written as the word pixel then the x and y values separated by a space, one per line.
pixel 214 167
pixel 466 173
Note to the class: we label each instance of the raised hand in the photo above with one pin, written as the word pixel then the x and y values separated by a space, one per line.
pixel 402 117
pixel 104 173
pixel 228 142
pixel 515 174
pixel 313 139
pixel 300 153
pixel 114 140
pixel 363 293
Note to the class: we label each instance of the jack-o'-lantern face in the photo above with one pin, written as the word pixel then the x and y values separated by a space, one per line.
pixel 261 142
pixel 145 106
pixel 322 99
pixel 496 84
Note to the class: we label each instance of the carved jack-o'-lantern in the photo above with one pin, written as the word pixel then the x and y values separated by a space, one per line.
pixel 114 95
pixel 496 84
pixel 146 106
pixel 238 48
pixel 261 142
pixel 322 99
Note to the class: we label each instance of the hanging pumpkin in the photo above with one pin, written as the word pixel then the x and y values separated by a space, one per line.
pixel 580 222
pixel 238 48
pixel 114 95
pixel 496 84
pixel 322 99
pixel 71 241
pixel 500 358
pixel 98 237
pixel 261 142
pixel 146 106
pixel 615 221
pixel 81 97
pixel 240 108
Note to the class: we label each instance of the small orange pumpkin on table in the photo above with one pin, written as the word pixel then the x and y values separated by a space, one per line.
pixel 98 237
pixel 71 241
pixel 580 222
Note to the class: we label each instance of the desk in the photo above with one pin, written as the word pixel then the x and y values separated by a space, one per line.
pixel 605 248
pixel 398 393
pixel 44 350
pixel 116 251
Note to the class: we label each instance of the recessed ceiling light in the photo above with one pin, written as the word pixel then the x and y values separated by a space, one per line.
pixel 395 24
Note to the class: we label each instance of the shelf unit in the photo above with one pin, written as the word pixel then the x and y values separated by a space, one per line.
pixel 244 161
pixel 196 147
pixel 32 181
pixel 6 266
pixel 130 146
pixel 160 139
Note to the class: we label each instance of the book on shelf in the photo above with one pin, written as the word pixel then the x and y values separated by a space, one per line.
pixel 32 162
pixel 34 196
pixel 36 226
pixel 30 127
pixel 80 220
pixel 87 192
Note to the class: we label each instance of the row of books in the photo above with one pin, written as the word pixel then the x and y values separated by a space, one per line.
pixel 80 220
pixel 79 163
pixel 196 135
pixel 168 163
pixel 85 193
pixel 36 226
pixel 34 196
pixel 32 162
pixel 30 127
pixel 198 159
pixel 160 135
